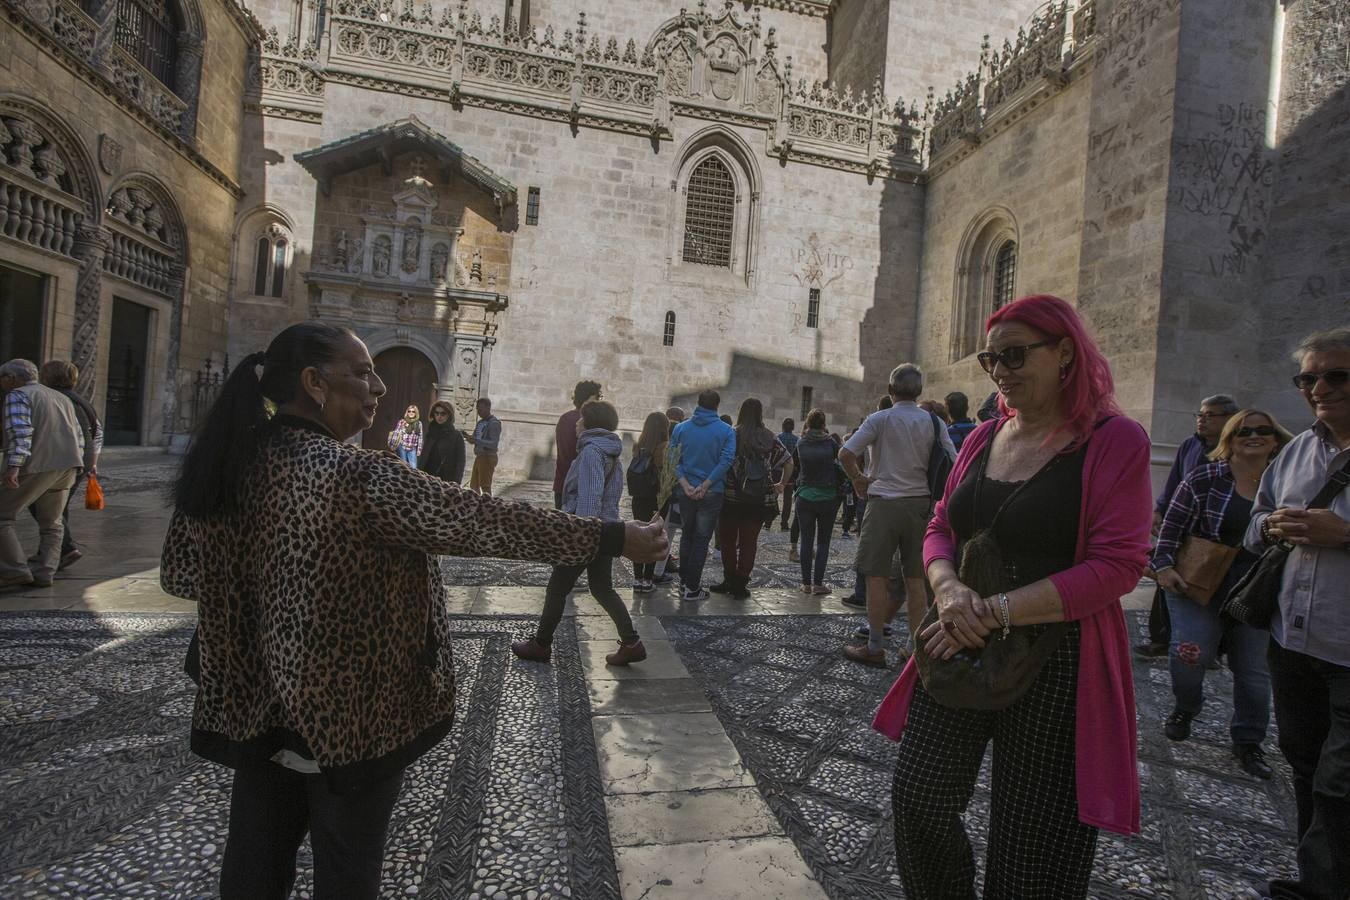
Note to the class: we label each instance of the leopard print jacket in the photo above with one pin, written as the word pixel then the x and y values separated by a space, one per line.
pixel 323 624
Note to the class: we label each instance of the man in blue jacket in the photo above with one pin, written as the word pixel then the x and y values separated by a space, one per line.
pixel 706 447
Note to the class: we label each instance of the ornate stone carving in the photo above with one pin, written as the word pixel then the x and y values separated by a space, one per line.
pixel 380 252
pixel 24 137
pixel 90 247
pixel 440 258
pixel 412 248
pixel 109 155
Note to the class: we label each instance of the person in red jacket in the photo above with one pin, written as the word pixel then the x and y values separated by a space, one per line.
pixel 565 436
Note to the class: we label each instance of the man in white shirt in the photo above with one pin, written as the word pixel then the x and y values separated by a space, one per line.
pixel 899 503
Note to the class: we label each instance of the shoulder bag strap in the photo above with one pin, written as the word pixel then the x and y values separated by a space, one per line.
pixel 1339 479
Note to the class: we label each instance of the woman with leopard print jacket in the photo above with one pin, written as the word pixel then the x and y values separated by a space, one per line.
pixel 324 664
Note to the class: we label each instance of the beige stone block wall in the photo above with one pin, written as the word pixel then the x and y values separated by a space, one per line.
pixel 1033 169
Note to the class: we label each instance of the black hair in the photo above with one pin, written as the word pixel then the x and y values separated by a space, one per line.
pixel 224 445
pixel 584 391
pixel 989 408
pixel 958 405
pixel 709 399
pixel 884 402
pixel 599 414
pixel 725 418
pixel 789 424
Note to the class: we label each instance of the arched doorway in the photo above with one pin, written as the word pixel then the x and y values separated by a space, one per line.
pixel 410 378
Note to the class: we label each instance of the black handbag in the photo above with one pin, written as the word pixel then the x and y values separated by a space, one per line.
pixel 995 676
pixel 1256 596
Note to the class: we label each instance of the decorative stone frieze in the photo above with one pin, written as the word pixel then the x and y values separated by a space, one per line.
pixel 143 247
pixel 40 204
pixel 714 64
pixel 285 81
pixel 1011 81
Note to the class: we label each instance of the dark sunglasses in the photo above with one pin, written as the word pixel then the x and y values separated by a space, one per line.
pixel 1304 381
pixel 1011 357
pixel 1247 431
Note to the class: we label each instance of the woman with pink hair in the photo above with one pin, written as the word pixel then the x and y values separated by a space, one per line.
pixel 1050 501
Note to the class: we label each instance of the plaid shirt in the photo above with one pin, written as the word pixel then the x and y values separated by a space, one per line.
pixel 1198 507
pixel 18 428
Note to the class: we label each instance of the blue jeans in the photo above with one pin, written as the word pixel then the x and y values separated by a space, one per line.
pixel 1196 631
pixel 815 518
pixel 408 455
pixel 698 521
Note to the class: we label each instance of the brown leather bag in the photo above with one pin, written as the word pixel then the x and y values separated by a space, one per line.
pixel 1202 564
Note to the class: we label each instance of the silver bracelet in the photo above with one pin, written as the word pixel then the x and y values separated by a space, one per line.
pixel 1007 616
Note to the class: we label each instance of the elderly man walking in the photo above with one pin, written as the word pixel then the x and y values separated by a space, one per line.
pixel 1303 500
pixel 44 448
pixel 899 503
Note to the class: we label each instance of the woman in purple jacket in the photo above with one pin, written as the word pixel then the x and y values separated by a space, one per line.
pixel 593 487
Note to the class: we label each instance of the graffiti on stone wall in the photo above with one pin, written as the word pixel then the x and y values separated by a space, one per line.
pixel 815 265
pixel 1227 173
pixel 1126 37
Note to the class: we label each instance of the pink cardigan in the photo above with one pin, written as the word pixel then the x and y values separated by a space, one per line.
pixel 1113 542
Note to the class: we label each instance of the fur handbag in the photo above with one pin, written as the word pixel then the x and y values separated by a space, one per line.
pixel 994 677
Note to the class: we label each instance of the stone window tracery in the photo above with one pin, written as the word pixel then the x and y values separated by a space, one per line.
pixel 710 214
pixel 270 262
pixel 986 276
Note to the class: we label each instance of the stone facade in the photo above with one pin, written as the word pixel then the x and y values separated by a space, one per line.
pixel 1162 163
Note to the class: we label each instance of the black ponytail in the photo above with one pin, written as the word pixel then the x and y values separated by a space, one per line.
pixel 227 441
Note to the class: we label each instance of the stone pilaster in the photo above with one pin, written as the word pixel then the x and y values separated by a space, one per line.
pixel 188 77
pixel 91 242
pixel 178 293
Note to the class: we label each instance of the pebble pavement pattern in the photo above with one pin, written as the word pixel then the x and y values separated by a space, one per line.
pixel 103 798
pixel 798 714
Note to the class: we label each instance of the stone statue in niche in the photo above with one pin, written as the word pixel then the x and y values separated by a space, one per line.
pixel 466 383
pixel 412 249
pixel 340 256
pixel 380 253
pixel 440 258
pixel 679 72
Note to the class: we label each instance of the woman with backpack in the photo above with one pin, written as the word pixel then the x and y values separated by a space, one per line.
pixel 443 447
pixel 644 486
pixel 818 496
pixel 593 486
pixel 749 493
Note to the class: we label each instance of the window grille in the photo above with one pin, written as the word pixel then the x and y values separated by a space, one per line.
pixel 668 339
pixel 532 207
pixel 1005 273
pixel 813 309
pixel 146 30
pixel 279 268
pixel 260 267
pixel 808 396
pixel 709 214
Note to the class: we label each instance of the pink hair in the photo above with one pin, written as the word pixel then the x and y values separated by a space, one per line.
pixel 1088 392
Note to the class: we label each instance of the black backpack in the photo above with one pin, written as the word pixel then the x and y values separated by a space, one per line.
pixel 642 477
pixel 940 465
pixel 749 479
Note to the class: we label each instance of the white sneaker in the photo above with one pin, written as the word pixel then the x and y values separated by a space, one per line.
pixel 694 596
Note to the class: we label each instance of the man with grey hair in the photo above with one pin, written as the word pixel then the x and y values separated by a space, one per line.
pixel 1303 501
pixel 44 447
pixel 1215 411
pixel 899 503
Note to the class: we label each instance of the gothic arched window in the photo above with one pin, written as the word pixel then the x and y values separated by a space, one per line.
pixel 668 338
pixel 1005 274
pixel 269 263
pixel 148 30
pixel 710 214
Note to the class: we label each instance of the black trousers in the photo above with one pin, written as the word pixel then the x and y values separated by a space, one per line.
pixel 1038 850
pixel 816 518
pixel 271 809
pixel 1312 708
pixel 643 510
pixel 600 577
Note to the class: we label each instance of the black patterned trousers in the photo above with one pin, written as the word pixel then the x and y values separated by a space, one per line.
pixel 1037 848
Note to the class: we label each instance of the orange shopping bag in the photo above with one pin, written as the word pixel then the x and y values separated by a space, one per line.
pixel 93 493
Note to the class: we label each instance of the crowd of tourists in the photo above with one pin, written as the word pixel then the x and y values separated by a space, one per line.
pixel 1008 540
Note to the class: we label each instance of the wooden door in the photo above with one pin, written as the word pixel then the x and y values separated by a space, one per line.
pixel 409 377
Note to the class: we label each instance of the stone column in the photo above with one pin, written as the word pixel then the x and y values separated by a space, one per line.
pixel 177 292
pixel 188 78
pixel 91 243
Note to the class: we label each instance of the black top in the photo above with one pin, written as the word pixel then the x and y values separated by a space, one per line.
pixel 1038 531
pixel 1235 518
pixel 442 452
pixel 814 457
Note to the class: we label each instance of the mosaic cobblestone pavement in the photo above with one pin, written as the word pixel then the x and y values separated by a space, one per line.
pixel 798 714
pixel 103 799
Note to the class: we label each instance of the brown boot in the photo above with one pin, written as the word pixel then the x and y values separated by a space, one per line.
pixel 532 650
pixel 627 653
pixel 865 656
